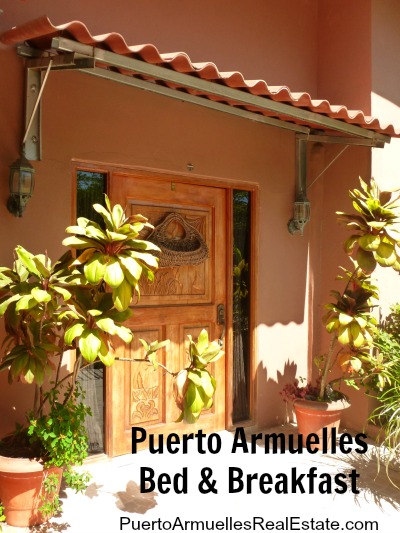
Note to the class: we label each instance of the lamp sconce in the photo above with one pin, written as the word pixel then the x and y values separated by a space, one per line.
pixel 21 177
pixel 301 206
pixel 301 215
pixel 21 184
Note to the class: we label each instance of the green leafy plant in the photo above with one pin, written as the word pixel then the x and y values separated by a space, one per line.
pixel 81 303
pixel 49 496
pixel 350 320
pixel 194 386
pixel 387 389
pixel 375 225
pixel 2 516
pixel 240 269
pixel 61 433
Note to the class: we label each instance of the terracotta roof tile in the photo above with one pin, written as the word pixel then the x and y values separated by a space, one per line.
pixel 39 33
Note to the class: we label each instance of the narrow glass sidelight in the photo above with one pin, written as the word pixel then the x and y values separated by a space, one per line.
pixel 90 189
pixel 241 304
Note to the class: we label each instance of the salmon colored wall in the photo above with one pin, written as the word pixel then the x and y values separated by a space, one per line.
pixel 274 41
pixel 99 121
pixel 344 59
pixel 385 95
pixel 95 120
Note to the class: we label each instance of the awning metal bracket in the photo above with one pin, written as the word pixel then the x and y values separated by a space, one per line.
pixel 302 206
pixel 35 82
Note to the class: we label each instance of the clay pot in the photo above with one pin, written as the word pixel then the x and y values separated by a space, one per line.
pixel 313 416
pixel 21 490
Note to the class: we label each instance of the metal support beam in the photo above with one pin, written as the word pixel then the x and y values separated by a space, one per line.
pixel 197 100
pixel 33 142
pixel 302 207
pixel 34 67
pixel 61 62
pixel 353 141
pixel 85 59
pixel 156 72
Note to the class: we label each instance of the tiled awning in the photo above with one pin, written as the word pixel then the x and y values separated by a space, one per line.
pixel 175 75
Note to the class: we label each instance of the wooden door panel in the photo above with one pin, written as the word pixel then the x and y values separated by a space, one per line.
pixel 176 284
pixel 145 385
pixel 182 301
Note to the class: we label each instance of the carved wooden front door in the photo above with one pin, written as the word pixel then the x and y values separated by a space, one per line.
pixel 190 284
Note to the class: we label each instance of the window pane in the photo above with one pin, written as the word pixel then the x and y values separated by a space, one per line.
pixel 241 307
pixel 91 187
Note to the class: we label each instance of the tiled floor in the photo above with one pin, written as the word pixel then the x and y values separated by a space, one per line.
pixel 113 501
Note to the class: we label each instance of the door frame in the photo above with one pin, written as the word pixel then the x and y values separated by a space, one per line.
pixel 229 185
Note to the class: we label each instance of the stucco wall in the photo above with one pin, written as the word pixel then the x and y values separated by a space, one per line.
pixel 99 121
pixel 86 119
pixel 344 58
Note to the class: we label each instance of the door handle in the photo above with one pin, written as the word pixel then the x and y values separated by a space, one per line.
pixel 221 322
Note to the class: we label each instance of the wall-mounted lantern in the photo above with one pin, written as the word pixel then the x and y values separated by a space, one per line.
pixel 21 183
pixel 21 177
pixel 301 205
pixel 301 215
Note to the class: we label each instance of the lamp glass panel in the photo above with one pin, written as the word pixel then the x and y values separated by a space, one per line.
pixel 302 211
pixel 21 181
pixel 14 181
pixel 25 182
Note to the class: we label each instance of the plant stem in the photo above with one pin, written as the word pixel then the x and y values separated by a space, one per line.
pixel 146 361
pixel 74 377
pixel 327 367
pixel 36 402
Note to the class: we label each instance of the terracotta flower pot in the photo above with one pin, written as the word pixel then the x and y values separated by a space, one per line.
pixel 21 490
pixel 313 416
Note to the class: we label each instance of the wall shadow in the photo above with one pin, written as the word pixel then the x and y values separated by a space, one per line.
pixel 269 394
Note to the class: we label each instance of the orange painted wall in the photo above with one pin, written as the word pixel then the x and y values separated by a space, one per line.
pixel 99 121
pixel 87 119
pixel 344 59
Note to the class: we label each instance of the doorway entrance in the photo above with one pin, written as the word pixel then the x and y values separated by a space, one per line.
pixel 189 293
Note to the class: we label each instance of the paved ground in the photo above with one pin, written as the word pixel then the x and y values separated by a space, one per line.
pixel 113 502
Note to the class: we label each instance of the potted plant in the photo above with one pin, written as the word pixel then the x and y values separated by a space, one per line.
pixel 350 316
pixel 79 304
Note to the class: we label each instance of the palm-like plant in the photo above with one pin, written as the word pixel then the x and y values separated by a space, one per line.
pixel 375 240
pixel 376 225
pixel 194 386
pixel 114 255
pixel 81 303
pixel 350 319
pixel 351 323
